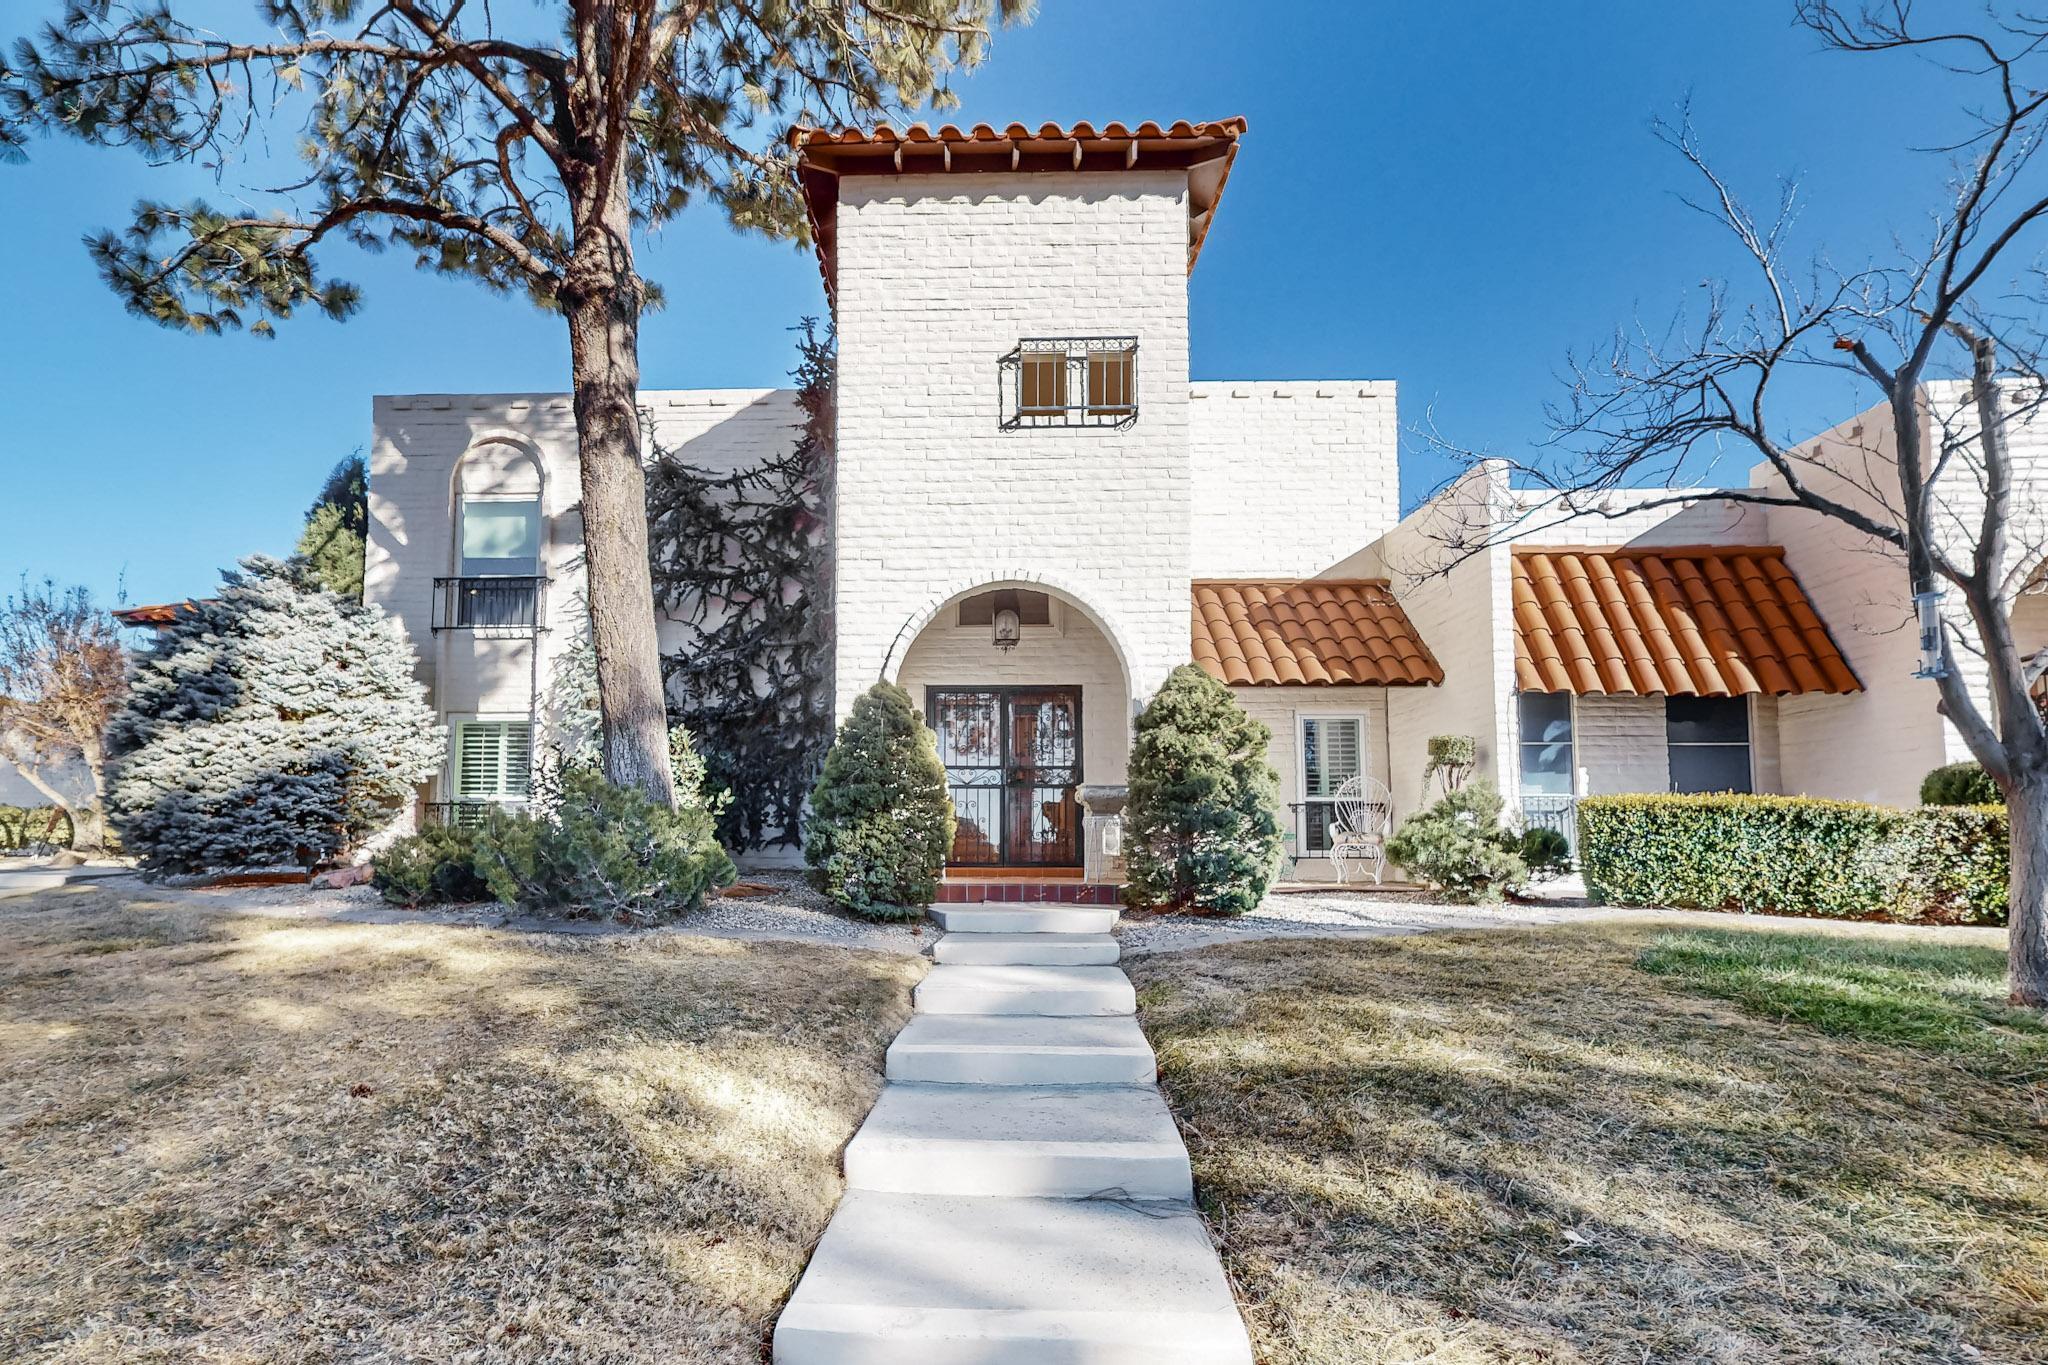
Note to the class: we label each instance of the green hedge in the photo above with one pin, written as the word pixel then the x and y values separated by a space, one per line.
pixel 1797 855
pixel 21 825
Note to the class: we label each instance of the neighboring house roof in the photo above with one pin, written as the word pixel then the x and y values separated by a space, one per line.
pixel 1203 150
pixel 1319 632
pixel 156 615
pixel 1704 620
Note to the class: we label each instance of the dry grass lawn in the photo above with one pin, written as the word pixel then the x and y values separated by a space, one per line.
pixel 245 1140
pixel 1530 1146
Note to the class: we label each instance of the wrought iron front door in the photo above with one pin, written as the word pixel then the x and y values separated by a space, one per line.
pixel 1013 763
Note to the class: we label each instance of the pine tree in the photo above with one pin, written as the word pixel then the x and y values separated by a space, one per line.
pixel 1201 824
pixel 274 725
pixel 881 819
pixel 527 152
pixel 337 525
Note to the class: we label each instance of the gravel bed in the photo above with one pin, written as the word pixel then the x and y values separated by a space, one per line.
pixel 1347 914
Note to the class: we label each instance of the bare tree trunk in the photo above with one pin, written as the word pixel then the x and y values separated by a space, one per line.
pixel 2027 804
pixel 603 297
pixel 89 827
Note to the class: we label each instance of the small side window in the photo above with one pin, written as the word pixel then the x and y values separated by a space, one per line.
pixel 1708 738
pixel 1109 382
pixel 1070 382
pixel 1045 384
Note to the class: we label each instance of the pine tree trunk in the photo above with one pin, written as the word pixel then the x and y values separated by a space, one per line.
pixel 2027 804
pixel 603 297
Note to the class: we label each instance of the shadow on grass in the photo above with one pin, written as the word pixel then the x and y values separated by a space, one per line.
pixel 286 1141
pixel 1491 1147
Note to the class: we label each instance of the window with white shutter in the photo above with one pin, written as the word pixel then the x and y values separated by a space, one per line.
pixel 493 760
pixel 1332 753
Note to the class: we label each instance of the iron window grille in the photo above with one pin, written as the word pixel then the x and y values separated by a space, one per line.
pixel 489 601
pixel 1070 382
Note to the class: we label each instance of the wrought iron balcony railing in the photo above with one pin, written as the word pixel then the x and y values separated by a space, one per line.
pixel 1560 813
pixel 490 601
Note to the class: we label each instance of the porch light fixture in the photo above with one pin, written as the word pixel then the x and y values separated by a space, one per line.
pixel 1007 629
pixel 1928 606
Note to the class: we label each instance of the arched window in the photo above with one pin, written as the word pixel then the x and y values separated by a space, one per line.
pixel 499 536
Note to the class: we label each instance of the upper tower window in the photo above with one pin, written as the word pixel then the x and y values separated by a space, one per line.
pixel 1070 382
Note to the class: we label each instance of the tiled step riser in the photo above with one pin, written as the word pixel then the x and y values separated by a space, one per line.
pixel 1030 893
pixel 1046 950
pixel 1123 1171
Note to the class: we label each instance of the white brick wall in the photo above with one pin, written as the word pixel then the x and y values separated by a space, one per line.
pixel 425 448
pixel 1290 478
pixel 1461 608
pixel 1282 709
pixel 938 278
pixel 1874 745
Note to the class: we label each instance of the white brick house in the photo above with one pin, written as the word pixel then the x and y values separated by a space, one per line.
pixel 1019 446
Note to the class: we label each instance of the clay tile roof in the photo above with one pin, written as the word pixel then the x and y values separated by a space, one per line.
pixel 1709 621
pixel 155 614
pixel 1315 632
pixel 823 155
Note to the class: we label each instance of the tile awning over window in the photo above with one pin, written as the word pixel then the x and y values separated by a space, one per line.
pixel 1709 621
pixel 1316 632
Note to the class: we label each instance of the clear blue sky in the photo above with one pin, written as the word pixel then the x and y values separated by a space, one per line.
pixel 1451 195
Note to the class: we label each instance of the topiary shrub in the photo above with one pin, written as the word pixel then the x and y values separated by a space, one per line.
pixel 1451 759
pixel 881 820
pixel 1546 853
pixel 602 852
pixel 1960 784
pixel 1201 822
pixel 1797 855
pixel 436 865
pixel 1460 845
pixel 275 725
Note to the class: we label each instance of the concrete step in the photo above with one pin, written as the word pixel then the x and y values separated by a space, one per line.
pixel 1044 950
pixel 970 1049
pixel 1059 1142
pixel 951 988
pixel 919 1279
pixel 998 918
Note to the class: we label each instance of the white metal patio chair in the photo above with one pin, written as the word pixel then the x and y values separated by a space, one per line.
pixel 1363 819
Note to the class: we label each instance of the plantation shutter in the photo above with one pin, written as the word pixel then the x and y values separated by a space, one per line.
pixel 1331 754
pixel 493 760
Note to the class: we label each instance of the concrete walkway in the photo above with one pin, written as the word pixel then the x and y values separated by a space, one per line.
pixel 25 878
pixel 1019 1194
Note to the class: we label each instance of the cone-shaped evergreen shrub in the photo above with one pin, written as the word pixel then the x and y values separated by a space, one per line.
pixel 275 725
pixel 1202 824
pixel 881 820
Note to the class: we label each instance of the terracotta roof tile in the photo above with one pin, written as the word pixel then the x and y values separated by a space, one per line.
pixel 1204 150
pixel 154 613
pixel 1711 621
pixel 1315 632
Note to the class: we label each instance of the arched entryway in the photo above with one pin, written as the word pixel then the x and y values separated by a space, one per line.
pixel 1024 728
